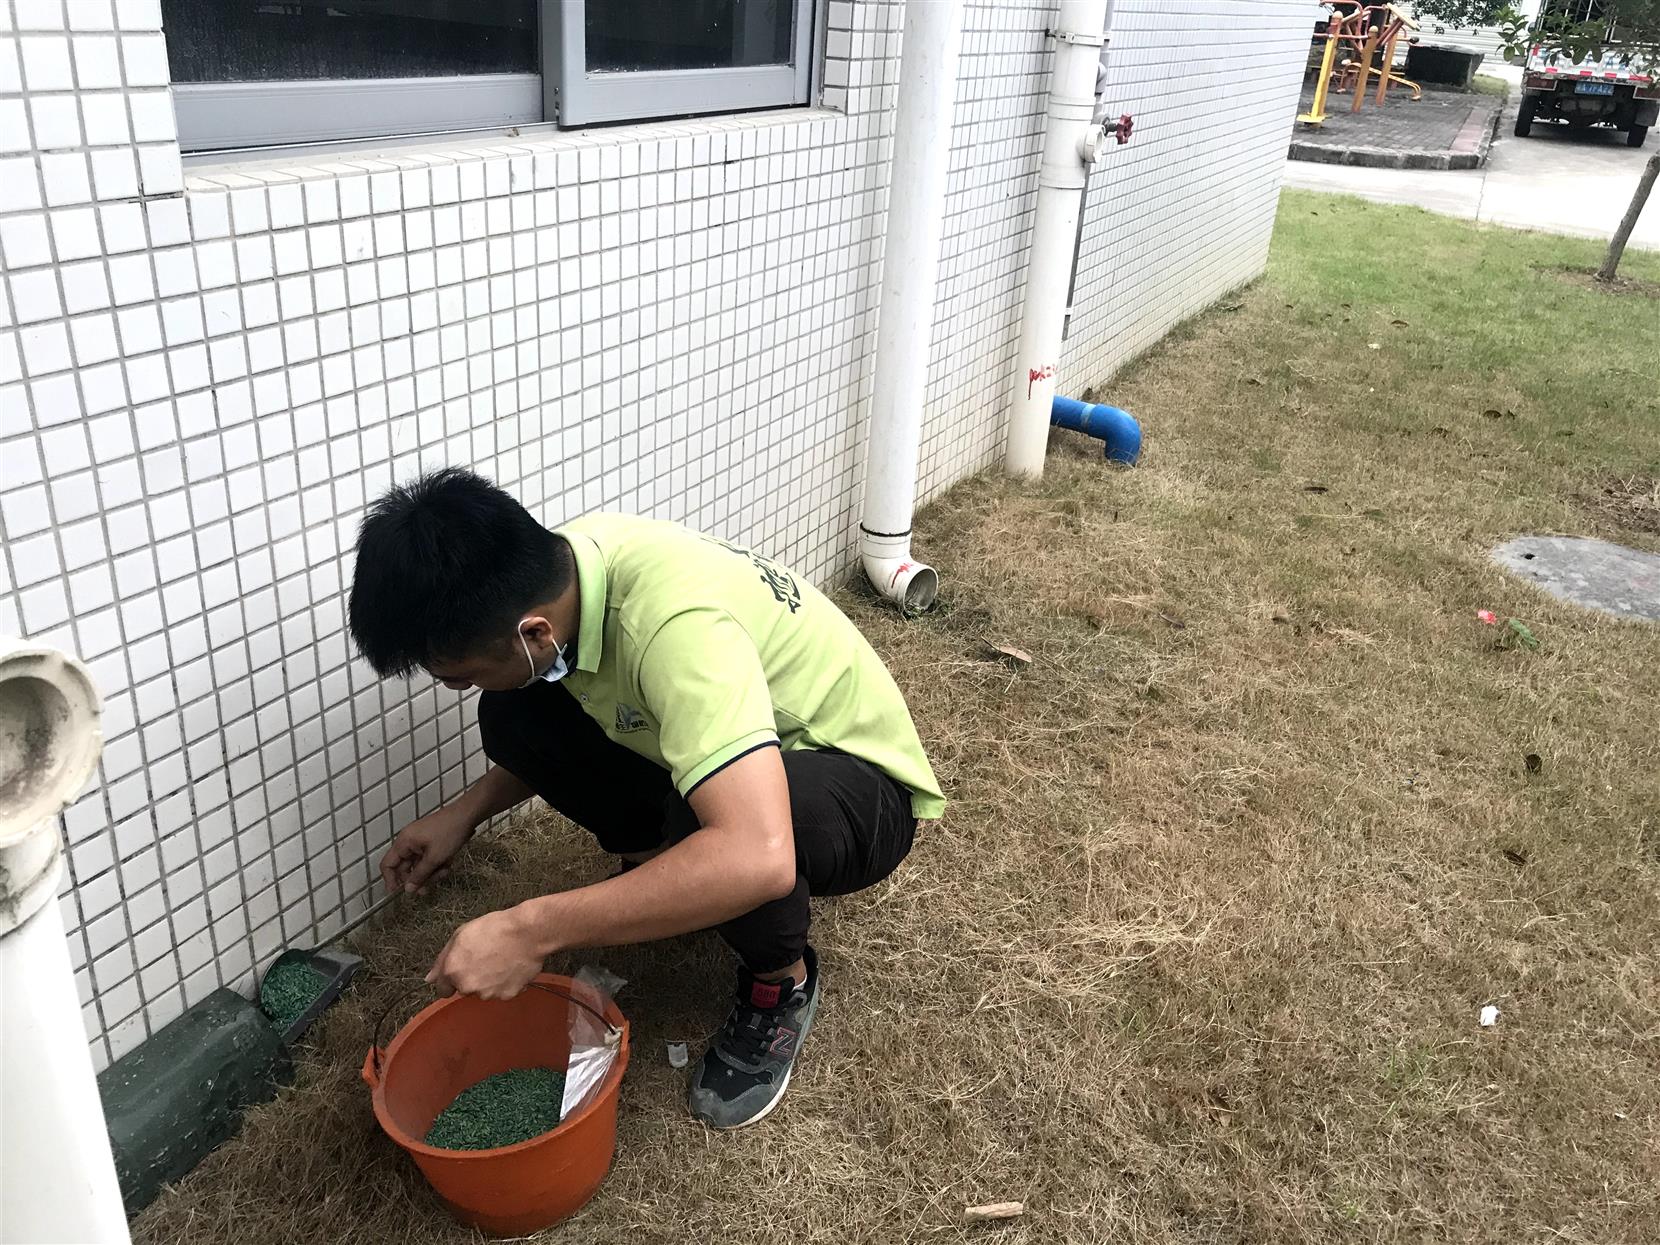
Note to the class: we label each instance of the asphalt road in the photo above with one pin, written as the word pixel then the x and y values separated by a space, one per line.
pixel 1554 180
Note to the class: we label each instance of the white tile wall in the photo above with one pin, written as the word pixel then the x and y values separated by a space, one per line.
pixel 1183 212
pixel 204 381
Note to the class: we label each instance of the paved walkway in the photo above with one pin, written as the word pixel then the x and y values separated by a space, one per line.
pixel 1553 181
pixel 1443 130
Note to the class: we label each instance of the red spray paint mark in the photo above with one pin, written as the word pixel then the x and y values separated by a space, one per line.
pixel 1036 374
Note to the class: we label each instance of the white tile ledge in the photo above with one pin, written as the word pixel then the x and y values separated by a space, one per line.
pixel 243 172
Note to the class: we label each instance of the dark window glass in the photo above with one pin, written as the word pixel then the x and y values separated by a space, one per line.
pixel 266 40
pixel 687 34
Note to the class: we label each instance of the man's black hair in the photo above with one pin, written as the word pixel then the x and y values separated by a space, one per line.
pixel 445 565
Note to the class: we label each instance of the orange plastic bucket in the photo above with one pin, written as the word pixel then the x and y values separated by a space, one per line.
pixel 457 1042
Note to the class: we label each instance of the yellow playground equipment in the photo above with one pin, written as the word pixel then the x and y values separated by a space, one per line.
pixel 1372 31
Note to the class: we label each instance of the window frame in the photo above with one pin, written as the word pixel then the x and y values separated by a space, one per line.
pixel 220 116
pixel 231 116
pixel 576 97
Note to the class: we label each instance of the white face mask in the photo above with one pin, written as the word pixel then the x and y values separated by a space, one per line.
pixel 553 673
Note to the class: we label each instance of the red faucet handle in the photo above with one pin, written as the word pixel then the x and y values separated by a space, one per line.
pixel 1124 128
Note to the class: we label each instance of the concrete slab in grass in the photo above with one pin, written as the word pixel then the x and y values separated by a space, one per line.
pixel 1594 573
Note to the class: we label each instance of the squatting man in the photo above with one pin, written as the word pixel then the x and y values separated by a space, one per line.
pixel 710 718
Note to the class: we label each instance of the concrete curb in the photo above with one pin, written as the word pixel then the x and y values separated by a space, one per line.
pixel 1469 150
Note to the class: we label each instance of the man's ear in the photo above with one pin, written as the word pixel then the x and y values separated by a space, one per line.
pixel 538 630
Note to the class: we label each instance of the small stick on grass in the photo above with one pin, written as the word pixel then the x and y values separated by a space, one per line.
pixel 994 1210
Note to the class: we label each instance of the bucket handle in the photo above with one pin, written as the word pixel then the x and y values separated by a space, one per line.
pixel 372 1060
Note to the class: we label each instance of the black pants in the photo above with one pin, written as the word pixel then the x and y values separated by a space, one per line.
pixel 853 824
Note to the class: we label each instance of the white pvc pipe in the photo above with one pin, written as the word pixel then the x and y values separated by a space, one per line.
pixel 910 274
pixel 57 1179
pixel 1067 152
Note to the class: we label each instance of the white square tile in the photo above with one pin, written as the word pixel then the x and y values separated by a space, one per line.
pixel 160 171
pixel 321 201
pixel 182 320
pixel 25 241
pixel 130 279
pixel 34 560
pixel 11 367
pixel 20 463
pixel 249 211
pixel 82 543
pixel 85 286
pixel 140 329
pixel 96 62
pixel 123 225
pixel 45 348
pixel 65 450
pixel 145 58
pixel 74 233
pixel 175 272
pixel 147 378
pixel 46 63
pixel 11 67
pixel 104 117
pixel 35 296
pixel 64 178
pixel 55 121
pixel 169 222
pixel 210 215
pixel 14 126
pixel 94 339
pixel 19 184
pixel 114 175
pixel 91 15
pixel 111 437
pixel 138 14
pixel 102 389
pixel 353 193
pixel 44 606
pixel 152 116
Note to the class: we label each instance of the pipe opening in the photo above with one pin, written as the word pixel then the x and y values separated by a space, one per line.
pixel 921 592
pixel 49 740
pixel 33 716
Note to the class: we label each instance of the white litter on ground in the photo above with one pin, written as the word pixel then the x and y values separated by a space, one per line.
pixel 1489 1016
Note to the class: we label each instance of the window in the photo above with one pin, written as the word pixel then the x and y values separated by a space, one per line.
pixel 252 73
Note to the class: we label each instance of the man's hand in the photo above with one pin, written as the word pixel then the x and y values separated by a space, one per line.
pixel 420 854
pixel 493 957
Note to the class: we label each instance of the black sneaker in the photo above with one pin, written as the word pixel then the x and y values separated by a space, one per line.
pixel 747 1067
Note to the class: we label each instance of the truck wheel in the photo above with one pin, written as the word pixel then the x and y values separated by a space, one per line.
pixel 1636 136
pixel 1524 116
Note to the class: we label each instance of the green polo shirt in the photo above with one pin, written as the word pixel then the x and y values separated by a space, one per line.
pixel 691 651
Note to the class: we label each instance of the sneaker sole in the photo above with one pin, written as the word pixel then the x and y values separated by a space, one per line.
pixel 772 1105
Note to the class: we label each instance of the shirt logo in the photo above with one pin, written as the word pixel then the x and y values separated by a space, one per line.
pixel 629 719
pixel 784 588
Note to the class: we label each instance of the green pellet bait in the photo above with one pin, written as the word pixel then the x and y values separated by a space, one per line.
pixel 501 1110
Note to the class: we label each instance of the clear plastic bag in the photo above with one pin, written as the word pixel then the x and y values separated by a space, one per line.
pixel 593 1042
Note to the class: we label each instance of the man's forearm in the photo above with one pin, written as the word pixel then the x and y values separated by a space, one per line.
pixel 698 883
pixel 495 793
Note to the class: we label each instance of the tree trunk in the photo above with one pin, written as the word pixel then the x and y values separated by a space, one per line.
pixel 1622 235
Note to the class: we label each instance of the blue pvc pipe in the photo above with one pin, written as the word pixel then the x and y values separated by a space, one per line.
pixel 1117 429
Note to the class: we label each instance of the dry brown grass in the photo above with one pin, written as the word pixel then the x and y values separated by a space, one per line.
pixel 1197 953
pixel 1628 502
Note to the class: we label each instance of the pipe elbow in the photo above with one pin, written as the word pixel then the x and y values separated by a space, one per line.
pixel 909 584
